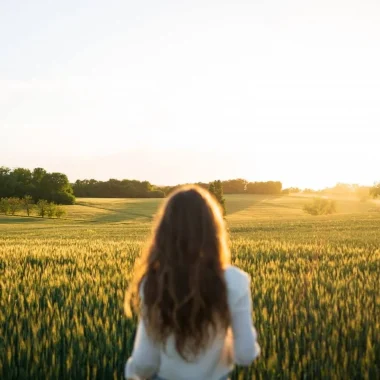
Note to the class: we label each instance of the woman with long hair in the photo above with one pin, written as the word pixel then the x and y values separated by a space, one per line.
pixel 195 308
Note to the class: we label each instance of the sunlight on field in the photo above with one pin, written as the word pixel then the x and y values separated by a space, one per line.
pixel 314 287
pixel 118 210
pixel 248 207
pixel 239 208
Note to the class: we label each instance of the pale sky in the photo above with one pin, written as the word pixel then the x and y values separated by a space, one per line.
pixel 184 91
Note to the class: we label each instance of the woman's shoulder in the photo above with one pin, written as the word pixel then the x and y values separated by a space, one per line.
pixel 237 280
pixel 233 274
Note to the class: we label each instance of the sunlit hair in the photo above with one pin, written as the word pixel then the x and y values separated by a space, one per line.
pixel 181 273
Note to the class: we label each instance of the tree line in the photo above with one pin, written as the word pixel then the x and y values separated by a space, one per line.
pixel 114 188
pixel 239 186
pixel 56 188
pixel 36 183
pixel 375 190
pixel 361 192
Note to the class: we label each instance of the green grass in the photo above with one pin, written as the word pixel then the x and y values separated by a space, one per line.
pixel 315 287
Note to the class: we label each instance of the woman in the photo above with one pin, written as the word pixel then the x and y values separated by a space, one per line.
pixel 195 308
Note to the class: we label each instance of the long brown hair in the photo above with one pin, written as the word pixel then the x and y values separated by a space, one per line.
pixel 180 274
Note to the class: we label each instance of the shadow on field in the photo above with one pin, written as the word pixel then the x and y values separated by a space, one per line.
pixel 237 203
pixel 20 219
pixel 126 212
pixel 279 205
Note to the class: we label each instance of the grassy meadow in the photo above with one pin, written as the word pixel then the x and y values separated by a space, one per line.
pixel 315 287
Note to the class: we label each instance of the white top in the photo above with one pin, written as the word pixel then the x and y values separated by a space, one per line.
pixel 238 345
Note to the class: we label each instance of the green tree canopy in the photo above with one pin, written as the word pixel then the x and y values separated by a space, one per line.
pixel 114 188
pixel 39 184
pixel 216 188
pixel 375 190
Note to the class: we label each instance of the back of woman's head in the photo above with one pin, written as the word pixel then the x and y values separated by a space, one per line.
pixel 183 288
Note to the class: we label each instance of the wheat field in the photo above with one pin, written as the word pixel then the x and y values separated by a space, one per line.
pixel 315 288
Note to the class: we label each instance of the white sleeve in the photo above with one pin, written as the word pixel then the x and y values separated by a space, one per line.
pixel 145 359
pixel 246 348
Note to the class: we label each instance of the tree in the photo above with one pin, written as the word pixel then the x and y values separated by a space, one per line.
pixel 375 190
pixel 114 188
pixel 51 210
pixel 38 174
pixel 270 187
pixel 59 212
pixel 320 206
pixel 53 187
pixel 211 188
pixel 291 190
pixel 27 203
pixel 4 206
pixel 235 186
pixel 216 188
pixel 42 206
pixel 22 179
pixel 14 205
pixel 156 194
pixel 63 198
pixel 6 182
